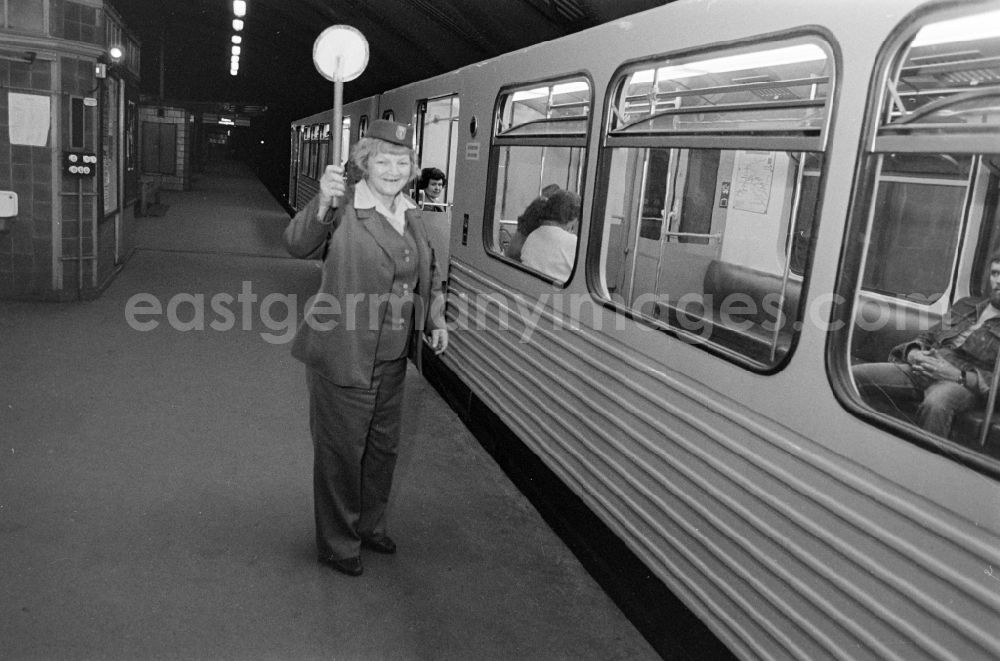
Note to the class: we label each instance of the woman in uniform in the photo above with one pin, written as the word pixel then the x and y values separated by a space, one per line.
pixel 380 292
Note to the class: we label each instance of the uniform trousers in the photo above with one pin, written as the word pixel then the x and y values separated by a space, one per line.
pixel 355 433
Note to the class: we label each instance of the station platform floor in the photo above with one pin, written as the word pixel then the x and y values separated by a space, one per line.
pixel 155 483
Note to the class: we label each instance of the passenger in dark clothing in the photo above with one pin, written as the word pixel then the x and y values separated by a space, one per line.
pixel 947 369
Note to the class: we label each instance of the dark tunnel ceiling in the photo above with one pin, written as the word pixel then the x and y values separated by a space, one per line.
pixel 409 40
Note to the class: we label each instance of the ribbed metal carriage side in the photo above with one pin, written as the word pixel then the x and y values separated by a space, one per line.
pixel 786 549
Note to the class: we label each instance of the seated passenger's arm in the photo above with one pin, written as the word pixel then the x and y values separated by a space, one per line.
pixel 924 341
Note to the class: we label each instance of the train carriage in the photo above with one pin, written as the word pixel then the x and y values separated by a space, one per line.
pixel 772 194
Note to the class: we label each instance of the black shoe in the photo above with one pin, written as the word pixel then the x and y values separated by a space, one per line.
pixel 379 543
pixel 349 566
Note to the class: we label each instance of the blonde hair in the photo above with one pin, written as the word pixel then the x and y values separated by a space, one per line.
pixel 366 148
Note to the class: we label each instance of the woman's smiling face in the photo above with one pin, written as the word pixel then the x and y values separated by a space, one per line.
pixel 389 171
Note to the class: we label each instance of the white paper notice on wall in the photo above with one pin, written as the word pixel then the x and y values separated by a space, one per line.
pixel 29 119
pixel 752 181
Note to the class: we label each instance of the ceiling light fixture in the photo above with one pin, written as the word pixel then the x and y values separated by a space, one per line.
pixel 239 10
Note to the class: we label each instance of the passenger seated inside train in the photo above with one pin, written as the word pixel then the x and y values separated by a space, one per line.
pixel 946 370
pixel 529 221
pixel 431 189
pixel 551 248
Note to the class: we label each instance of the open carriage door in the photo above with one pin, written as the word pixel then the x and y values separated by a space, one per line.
pixel 437 121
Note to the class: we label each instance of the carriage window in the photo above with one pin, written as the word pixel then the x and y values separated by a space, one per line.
pixel 345 141
pixel 438 139
pixel 918 204
pixel 316 142
pixel 781 88
pixel 307 148
pixel 323 151
pixel 713 170
pixel 537 157
pixel 437 126
pixel 921 327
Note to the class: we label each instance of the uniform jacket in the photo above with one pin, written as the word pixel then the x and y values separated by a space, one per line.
pixel 979 351
pixel 338 336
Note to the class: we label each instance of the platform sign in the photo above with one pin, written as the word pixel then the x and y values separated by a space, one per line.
pixel 80 163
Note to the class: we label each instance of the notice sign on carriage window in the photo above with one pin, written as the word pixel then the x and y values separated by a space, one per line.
pixel 29 119
pixel 751 190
